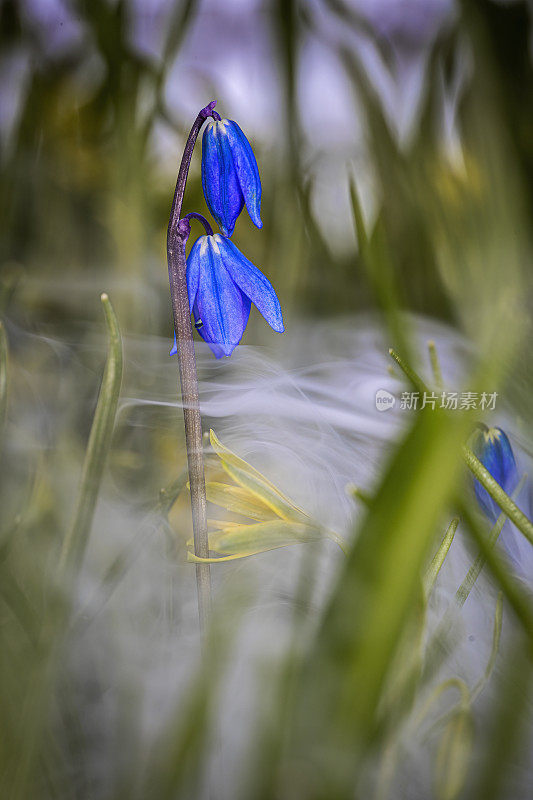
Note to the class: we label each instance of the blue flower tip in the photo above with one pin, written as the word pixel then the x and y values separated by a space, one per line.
pixel 230 176
pixel 495 453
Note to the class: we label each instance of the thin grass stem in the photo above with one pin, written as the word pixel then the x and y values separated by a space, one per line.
pixel 496 636
pixel 473 573
pixel 438 559
pixel 75 542
pixel 516 596
pixel 435 365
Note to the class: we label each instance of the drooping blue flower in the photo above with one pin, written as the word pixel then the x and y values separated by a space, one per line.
pixel 495 453
pixel 222 284
pixel 230 177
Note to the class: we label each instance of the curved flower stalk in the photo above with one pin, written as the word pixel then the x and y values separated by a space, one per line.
pixel 222 284
pixel 230 177
pixel 217 284
pixel 277 521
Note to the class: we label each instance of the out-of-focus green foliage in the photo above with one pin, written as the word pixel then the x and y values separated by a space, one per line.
pixel 84 200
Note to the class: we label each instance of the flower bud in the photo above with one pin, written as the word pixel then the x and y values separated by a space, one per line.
pixel 230 177
pixel 495 453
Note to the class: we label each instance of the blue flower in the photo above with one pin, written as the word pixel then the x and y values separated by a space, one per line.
pixel 222 284
pixel 230 177
pixel 495 453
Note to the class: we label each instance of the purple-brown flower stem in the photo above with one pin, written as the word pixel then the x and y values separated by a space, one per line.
pixel 177 235
pixel 202 219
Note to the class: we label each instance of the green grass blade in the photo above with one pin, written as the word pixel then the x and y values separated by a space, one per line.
pixel 473 573
pixel 439 557
pixel 454 755
pixel 3 379
pixel 376 595
pixel 496 636
pixel 435 365
pixel 98 447
pixel 506 750
pixel 517 597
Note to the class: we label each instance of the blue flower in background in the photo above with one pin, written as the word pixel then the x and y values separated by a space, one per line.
pixel 222 284
pixel 230 177
pixel 495 453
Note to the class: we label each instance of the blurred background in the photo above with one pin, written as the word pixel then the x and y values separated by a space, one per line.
pixel 395 146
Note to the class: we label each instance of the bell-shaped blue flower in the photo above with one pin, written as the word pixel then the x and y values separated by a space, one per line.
pixel 495 453
pixel 230 177
pixel 222 284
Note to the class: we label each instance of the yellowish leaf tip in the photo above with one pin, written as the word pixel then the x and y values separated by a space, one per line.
pixel 104 297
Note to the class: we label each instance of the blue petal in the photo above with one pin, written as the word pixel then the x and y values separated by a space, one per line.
pixel 251 282
pixel 174 350
pixel 220 350
pixel 193 270
pixel 220 183
pixel 221 310
pixel 496 455
pixel 246 169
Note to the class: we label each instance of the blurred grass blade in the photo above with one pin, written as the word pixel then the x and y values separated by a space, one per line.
pixel 249 478
pixel 98 447
pixel 360 494
pixel 518 599
pixel 177 766
pixel 376 258
pixel 409 372
pixel 4 365
pixel 16 600
pixel 374 598
pixel 436 694
pixel 181 16
pixel 473 573
pixel 453 755
pixel 169 494
pixel 496 635
pixel 435 365
pixel 439 557
pixel 404 670
pixel 507 753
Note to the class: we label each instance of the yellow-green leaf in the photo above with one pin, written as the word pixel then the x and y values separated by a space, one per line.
pixel 249 478
pixel 221 524
pixel 239 500
pixel 246 540
pixel 453 755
